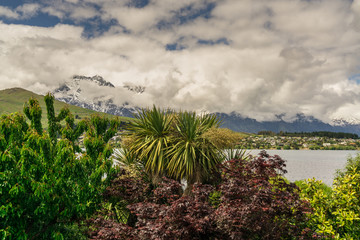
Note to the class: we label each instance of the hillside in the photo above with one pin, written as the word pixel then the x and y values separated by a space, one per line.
pixel 13 99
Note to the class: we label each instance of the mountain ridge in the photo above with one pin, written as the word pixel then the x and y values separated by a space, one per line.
pixel 236 122
pixel 71 92
pixel 74 92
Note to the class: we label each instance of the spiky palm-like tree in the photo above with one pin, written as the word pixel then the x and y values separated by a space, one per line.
pixel 192 155
pixel 150 134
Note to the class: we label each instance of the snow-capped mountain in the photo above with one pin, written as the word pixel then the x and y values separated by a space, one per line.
pixel 92 93
pixel 98 94
pixel 345 121
pixel 299 123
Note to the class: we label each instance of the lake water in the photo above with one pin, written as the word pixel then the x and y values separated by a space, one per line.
pixel 304 164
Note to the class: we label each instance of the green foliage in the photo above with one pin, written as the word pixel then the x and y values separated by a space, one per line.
pixel 266 133
pixel 193 156
pixel 73 131
pixel 352 164
pixel 223 138
pixel 215 199
pixel 33 112
pixel 126 160
pixel 235 153
pixel 176 145
pixel 45 183
pixel 99 131
pixel 287 147
pixel 53 120
pixel 336 211
pixel 150 133
pixel 117 210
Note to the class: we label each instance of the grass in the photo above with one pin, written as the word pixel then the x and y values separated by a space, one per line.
pixel 13 99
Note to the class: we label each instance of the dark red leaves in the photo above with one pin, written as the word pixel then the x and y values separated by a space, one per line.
pixel 251 201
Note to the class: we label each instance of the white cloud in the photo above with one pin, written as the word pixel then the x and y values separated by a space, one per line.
pixel 8 13
pixel 282 56
pixel 28 10
pixel 74 10
pixel 83 13
pixel 21 12
pixel 53 12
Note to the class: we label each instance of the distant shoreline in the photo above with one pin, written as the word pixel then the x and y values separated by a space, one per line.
pixel 301 149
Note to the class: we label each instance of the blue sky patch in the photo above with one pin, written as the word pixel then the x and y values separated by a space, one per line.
pixel 13 3
pixel 39 20
pixel 355 78
pixel 187 14
pixel 214 42
pixel 96 27
pixel 138 3
pixel 174 47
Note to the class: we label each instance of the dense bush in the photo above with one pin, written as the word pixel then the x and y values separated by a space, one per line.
pixel 257 202
pixel 251 201
pixel 337 210
pixel 163 214
pixel 46 184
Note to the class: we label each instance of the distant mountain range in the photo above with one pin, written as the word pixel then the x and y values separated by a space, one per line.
pixel 79 91
pixel 301 123
pixel 73 92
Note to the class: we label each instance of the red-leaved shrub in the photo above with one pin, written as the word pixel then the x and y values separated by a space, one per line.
pixel 251 201
pixel 258 203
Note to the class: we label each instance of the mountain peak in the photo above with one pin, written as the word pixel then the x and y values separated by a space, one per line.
pixel 97 79
pixel 137 89
pixel 94 93
pixel 341 121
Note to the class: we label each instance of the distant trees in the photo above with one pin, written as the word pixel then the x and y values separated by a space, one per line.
pixel 311 134
pixel 320 134
pixel 313 141
pixel 267 133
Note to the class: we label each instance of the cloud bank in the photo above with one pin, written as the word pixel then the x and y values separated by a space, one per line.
pixel 260 58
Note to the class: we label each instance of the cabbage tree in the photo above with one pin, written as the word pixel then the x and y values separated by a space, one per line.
pixel 192 156
pixel 150 140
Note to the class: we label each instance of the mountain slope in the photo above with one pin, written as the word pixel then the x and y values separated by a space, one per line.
pixel 13 99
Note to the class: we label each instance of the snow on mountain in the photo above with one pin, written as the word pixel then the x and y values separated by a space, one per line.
pixel 100 95
pixel 298 123
pixel 136 89
pixel 92 93
pixel 342 121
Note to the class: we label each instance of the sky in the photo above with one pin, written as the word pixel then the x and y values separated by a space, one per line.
pixel 259 58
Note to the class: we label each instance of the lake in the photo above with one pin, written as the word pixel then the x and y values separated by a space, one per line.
pixel 304 164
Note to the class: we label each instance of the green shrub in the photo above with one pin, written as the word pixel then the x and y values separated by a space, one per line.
pixel 337 210
pixel 46 184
